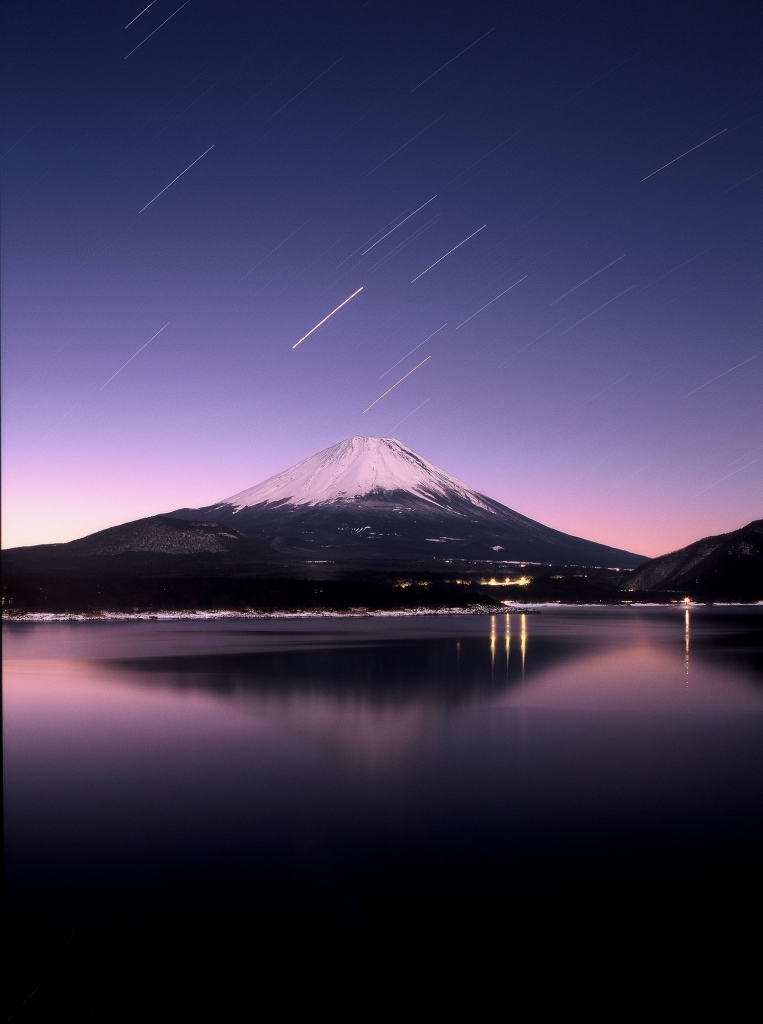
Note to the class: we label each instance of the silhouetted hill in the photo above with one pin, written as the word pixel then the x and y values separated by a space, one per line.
pixel 727 567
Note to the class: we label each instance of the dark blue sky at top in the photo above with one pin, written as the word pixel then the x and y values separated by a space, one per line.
pixel 590 408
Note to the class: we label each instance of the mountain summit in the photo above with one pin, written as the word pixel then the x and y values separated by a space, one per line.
pixel 357 468
pixel 371 504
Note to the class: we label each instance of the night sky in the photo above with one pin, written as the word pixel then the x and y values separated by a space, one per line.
pixel 590 350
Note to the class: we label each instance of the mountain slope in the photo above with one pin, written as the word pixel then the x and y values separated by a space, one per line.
pixel 157 534
pixel 727 566
pixel 373 503
pixel 155 544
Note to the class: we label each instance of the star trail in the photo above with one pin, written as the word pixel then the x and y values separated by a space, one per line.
pixel 560 204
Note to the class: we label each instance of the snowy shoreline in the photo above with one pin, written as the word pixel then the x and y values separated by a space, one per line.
pixel 205 616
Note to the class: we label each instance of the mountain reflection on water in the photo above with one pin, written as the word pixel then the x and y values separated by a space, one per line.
pixel 140 751
pixel 377 685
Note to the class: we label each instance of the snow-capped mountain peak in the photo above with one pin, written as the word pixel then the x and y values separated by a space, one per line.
pixel 356 468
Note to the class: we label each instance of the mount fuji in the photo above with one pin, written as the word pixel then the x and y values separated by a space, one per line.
pixel 366 522
pixel 371 503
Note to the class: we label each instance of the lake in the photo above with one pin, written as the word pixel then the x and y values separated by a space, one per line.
pixel 203 786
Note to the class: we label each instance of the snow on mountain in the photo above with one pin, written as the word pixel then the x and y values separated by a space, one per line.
pixel 356 468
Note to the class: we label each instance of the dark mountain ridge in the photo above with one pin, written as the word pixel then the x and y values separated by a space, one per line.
pixel 728 566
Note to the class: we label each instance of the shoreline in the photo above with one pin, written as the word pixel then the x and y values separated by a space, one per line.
pixel 534 608
pixel 206 616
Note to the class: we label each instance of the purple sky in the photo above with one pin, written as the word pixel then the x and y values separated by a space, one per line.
pixel 613 393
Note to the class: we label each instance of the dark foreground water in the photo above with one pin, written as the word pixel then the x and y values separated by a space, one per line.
pixel 199 807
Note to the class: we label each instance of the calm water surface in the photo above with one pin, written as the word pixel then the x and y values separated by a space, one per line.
pixel 334 763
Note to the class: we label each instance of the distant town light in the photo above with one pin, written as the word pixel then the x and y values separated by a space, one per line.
pixel 521 581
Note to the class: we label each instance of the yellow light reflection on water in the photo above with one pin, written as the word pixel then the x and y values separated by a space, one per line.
pixel 686 637
pixel 523 640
